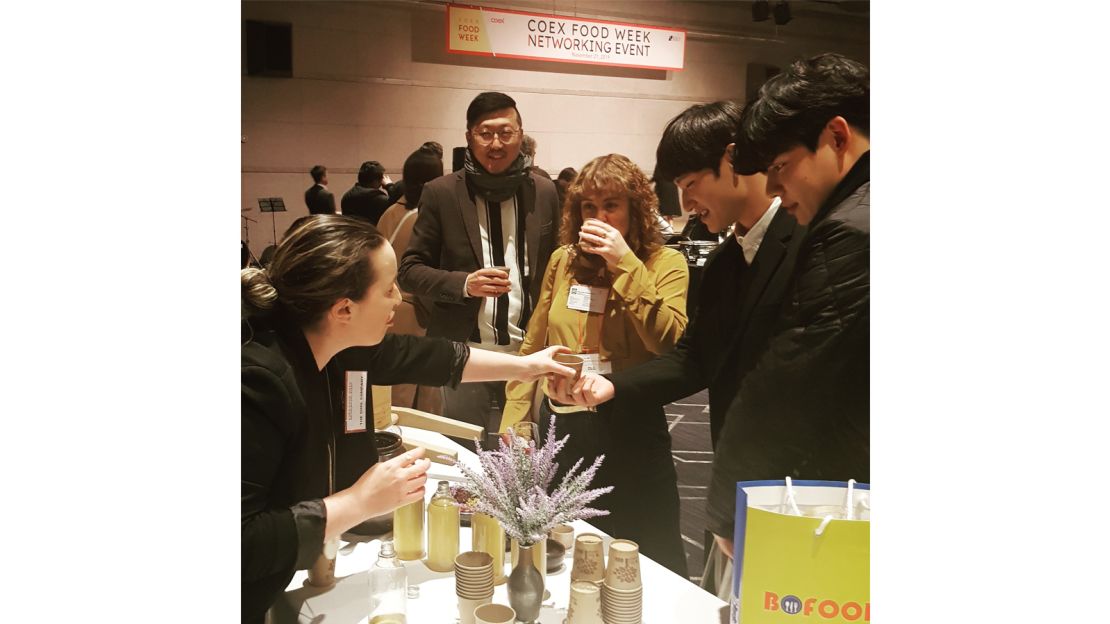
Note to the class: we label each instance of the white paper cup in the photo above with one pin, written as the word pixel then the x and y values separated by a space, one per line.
pixel 494 613
pixel 467 607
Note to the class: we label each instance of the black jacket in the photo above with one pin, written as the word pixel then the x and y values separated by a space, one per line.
pixel 803 410
pixel 319 200
pixel 737 308
pixel 292 424
pixel 363 201
pixel 446 246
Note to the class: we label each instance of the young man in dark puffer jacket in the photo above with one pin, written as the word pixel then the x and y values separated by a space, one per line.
pixel 803 411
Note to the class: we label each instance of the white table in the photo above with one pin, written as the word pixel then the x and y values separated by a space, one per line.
pixel 668 598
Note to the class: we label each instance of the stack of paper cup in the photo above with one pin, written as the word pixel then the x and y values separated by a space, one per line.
pixel 585 604
pixel 589 559
pixel 622 593
pixel 473 583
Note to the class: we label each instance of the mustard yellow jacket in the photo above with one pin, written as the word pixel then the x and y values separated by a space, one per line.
pixel 645 314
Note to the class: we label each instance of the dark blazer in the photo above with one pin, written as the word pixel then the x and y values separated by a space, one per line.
pixel 446 246
pixel 291 414
pixel 736 310
pixel 363 201
pixel 804 410
pixel 319 200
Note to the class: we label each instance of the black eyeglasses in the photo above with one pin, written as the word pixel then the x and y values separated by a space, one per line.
pixel 507 136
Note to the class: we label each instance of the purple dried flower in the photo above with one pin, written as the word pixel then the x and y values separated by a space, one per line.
pixel 513 482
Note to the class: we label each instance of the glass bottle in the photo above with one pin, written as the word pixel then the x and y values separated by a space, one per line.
pixel 408 531
pixel 443 530
pixel 388 587
pixel 488 536
pixel 389 445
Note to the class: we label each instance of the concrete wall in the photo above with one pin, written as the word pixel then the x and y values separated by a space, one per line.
pixel 372 81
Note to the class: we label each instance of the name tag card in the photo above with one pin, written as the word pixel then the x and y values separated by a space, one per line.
pixel 592 363
pixel 355 404
pixel 587 298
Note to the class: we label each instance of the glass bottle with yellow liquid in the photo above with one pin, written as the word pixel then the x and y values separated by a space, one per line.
pixel 443 530
pixel 488 536
pixel 408 531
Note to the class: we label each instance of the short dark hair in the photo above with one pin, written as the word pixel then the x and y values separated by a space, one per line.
pixel 793 107
pixel 318 172
pixel 370 172
pixel 696 139
pixel 487 102
pixel 435 146
pixel 567 174
pixel 421 167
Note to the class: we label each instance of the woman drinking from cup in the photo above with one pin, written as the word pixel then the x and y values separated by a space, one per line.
pixel 617 297
pixel 314 341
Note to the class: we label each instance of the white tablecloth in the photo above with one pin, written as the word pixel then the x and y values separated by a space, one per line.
pixel 668 598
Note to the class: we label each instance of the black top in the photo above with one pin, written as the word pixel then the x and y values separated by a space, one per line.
pixel 363 201
pixel 737 308
pixel 803 411
pixel 319 200
pixel 293 440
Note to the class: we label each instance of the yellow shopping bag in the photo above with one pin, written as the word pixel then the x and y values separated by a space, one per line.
pixel 802 552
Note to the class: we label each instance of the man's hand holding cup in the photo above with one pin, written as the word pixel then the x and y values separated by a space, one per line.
pixel 488 282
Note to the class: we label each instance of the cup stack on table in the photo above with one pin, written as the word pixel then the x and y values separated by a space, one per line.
pixel 473 583
pixel 622 592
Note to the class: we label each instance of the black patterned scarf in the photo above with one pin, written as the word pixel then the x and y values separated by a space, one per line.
pixel 499 187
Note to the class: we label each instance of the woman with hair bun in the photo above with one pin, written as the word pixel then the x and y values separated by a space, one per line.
pixel 314 326
pixel 616 295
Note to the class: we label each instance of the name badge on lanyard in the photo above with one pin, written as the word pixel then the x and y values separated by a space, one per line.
pixel 587 298
pixel 355 403
pixel 592 363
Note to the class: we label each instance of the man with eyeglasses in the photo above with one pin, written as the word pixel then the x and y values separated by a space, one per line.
pixel 480 247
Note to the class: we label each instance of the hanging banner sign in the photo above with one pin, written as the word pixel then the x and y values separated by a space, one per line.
pixel 516 34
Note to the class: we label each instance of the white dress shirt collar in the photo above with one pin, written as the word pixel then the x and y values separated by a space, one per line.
pixel 749 242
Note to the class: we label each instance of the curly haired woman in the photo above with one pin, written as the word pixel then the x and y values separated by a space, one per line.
pixel 615 295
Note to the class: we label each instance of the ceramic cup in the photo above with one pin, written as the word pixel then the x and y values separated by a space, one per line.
pixel 573 361
pixel 494 613
pixel 623 569
pixel 589 559
pixel 564 534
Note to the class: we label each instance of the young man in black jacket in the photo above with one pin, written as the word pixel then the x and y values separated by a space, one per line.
pixel 744 282
pixel 803 410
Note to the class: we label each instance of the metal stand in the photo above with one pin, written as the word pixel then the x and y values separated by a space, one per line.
pixel 272 205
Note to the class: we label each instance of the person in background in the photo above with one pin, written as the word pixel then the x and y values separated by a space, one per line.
pixel 742 287
pixel 528 148
pixel 566 176
pixel 312 321
pixel 421 167
pixel 804 410
pixel 613 293
pixel 367 199
pixel 481 242
pixel 318 198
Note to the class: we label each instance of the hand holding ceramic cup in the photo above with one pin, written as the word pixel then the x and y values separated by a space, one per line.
pixel 494 614
pixel 573 361
pixel 473 583
pixel 589 559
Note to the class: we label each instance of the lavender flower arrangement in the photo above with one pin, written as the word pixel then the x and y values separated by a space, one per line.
pixel 513 485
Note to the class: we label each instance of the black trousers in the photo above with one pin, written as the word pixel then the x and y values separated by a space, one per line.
pixel 643 506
